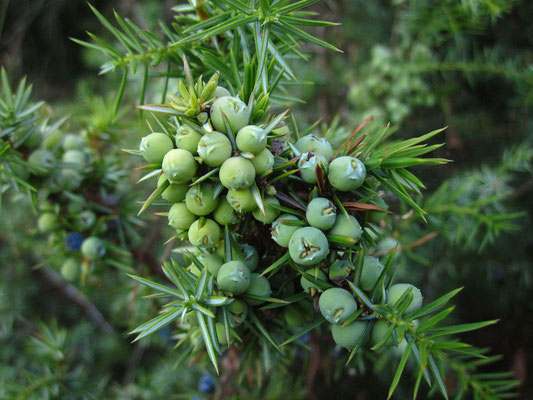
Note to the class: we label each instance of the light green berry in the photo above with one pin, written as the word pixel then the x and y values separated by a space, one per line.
pixel 263 162
pixel 340 269
pixel 187 139
pixel 179 216
pixel 214 148
pixel 236 112
pixel 221 91
pixel 237 173
pixel 224 214
pixel 200 199
pixel 308 163
pixel 48 222
pixel 74 142
pixel 211 261
pixel 204 233
pixel 270 214
pixel 70 269
pixel 321 213
pixel 317 145
pixel 251 139
pixel 93 248
pixel 308 246
pixel 337 305
pixel 347 227
pixel 348 336
pixel 371 270
pixel 281 232
pixel 234 277
pixel 396 291
pixel 179 166
pixel 42 158
pixel 259 286
pixel 346 173
pixel 175 192
pixel 238 311
pixel 241 200
pixel 154 147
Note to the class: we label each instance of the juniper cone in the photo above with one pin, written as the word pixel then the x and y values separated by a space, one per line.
pixel 308 164
pixel 154 147
pixel 308 246
pixel 281 232
pixel 237 173
pixel 396 291
pixel 337 305
pixel 179 166
pixel 187 139
pixel 214 148
pixel 231 110
pixel 234 277
pixel 317 145
pixel 346 173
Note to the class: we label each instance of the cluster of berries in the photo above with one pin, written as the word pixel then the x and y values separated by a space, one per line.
pixel 74 207
pixel 224 171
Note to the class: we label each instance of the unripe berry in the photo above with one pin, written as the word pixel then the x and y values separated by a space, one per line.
pixel 187 139
pixel 211 261
pixel 179 216
pixel 281 233
pixel 74 142
pixel 347 227
pixel 396 291
pixel 234 277
pixel 340 269
pixel 71 178
pixel 175 192
pixel 206 233
pixel 317 145
pixel 42 158
pixel 48 222
pixel 93 248
pixel 154 147
pixel 346 173
pixel 270 214
pixel 379 330
pixel 308 285
pixel 247 254
pixel 221 91
pixel 237 173
pixel 201 199
pixel 263 162
pixel 70 269
pixel 241 200
pixel 224 213
pixel 85 220
pixel 214 148
pixel 371 270
pixel 308 163
pixel 308 246
pixel 76 158
pixel 238 311
pixel 251 139
pixel 337 305
pixel 259 286
pixel 293 317
pixel 237 114
pixel 179 166
pixel 348 336
pixel 321 213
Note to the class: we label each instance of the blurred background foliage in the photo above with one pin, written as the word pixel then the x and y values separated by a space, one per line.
pixel 417 65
